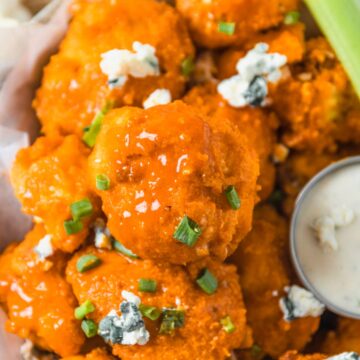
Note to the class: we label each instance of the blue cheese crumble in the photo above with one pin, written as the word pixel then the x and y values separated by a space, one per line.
pixel 254 71
pixel 127 328
pixel 325 226
pixel 300 303
pixel 44 248
pixel 345 356
pixel 118 65
pixel 157 97
pixel 102 237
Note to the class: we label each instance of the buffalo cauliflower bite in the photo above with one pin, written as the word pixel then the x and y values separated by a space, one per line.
pixel 258 125
pixel 169 165
pixel 264 266
pixel 326 112
pixel 221 23
pixel 288 41
pixel 144 50
pixel 199 334
pixel 47 178
pixel 39 302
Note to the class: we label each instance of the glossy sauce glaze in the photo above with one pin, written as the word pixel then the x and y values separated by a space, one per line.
pixel 167 162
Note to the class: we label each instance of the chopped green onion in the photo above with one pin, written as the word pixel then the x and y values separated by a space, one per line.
pixel 118 246
pixel 207 281
pixel 102 182
pixel 84 309
pixel 227 324
pixel 187 66
pixel 147 285
pixel 339 20
pixel 187 231
pixel 256 351
pixel 73 226
pixel 227 28
pixel 172 319
pixel 87 262
pixel 151 312
pixel 291 18
pixel 232 197
pixel 90 135
pixel 89 328
pixel 81 208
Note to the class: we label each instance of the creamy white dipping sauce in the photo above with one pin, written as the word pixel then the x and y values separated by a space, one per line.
pixel 333 274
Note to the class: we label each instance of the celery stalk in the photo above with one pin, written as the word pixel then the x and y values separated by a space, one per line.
pixel 340 23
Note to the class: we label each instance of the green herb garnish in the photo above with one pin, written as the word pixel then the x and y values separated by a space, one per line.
pixel 81 209
pixel 172 319
pixel 89 328
pixel 102 182
pixel 147 285
pixel 227 28
pixel 151 312
pixel 207 281
pixel 91 134
pixel 118 246
pixel 227 324
pixel 87 262
pixel 291 18
pixel 187 66
pixel 73 226
pixel 84 309
pixel 187 231
pixel 232 197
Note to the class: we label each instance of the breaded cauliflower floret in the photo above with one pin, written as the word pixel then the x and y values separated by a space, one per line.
pixel 75 87
pixel 200 335
pixel 38 301
pixel 168 163
pixel 47 178
pixel 288 41
pixel 316 104
pixel 244 17
pixel 258 125
pixel 265 270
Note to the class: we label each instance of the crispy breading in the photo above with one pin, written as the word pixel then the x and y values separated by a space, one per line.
pixel 74 89
pixel 201 337
pixel 249 17
pixel 167 162
pixel 264 266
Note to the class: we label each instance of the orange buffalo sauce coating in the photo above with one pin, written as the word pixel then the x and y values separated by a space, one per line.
pixel 167 162
pixel 39 302
pixel 249 17
pixel 47 177
pixel 288 41
pixel 326 112
pixel 258 125
pixel 74 89
pixel 264 266
pixel 97 354
pixel 201 337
